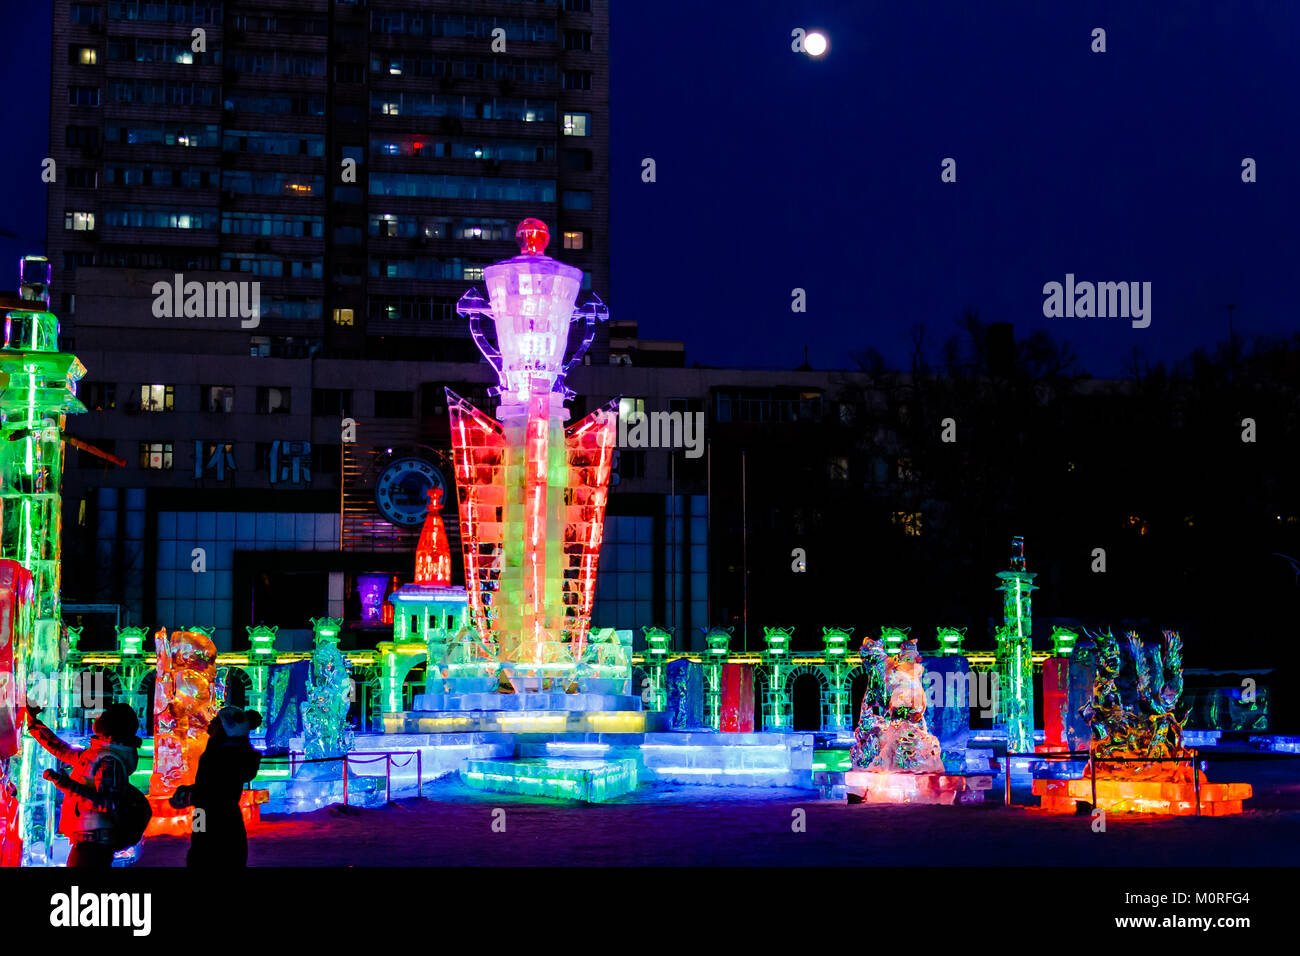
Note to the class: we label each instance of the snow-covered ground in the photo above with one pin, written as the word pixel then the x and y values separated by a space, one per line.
pixel 677 826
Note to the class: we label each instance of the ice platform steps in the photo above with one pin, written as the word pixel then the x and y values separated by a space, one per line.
pixel 1144 796
pixel 525 713
pixel 524 701
pixel 589 780
pixel 669 757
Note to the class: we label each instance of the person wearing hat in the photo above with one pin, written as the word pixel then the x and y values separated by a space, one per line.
pixel 94 775
pixel 218 837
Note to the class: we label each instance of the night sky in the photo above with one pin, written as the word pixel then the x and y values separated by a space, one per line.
pixel 776 171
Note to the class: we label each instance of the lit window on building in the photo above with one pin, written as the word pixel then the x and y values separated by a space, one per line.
pixel 837 469
pixel 87 56
pixel 156 455
pixel 343 317
pixel 577 124
pixel 573 240
pixel 392 109
pixel 909 521
pixel 79 221
pixel 157 398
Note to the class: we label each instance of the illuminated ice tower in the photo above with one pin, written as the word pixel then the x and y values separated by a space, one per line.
pixel 37 389
pixel 1014 659
pixel 531 492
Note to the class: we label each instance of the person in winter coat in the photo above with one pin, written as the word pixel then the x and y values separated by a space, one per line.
pixel 94 775
pixel 218 837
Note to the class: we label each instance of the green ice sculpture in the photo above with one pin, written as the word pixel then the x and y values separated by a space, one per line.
pixel 778 710
pixel 37 391
pixel 325 727
pixel 1013 661
pixel 718 647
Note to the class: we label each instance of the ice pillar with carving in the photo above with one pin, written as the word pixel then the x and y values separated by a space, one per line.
pixel 531 491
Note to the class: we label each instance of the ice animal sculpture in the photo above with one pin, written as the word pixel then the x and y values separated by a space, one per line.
pixel 891 735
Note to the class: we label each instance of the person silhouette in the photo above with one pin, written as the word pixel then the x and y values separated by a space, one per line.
pixel 218 837
pixel 95 775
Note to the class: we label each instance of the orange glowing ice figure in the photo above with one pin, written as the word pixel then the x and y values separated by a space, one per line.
pixel 1134 731
pixel 432 556
pixel 184 701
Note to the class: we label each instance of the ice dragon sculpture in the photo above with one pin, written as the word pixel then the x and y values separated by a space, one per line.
pixel 1149 726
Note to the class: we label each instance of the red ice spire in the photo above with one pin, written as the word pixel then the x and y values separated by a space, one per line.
pixel 432 556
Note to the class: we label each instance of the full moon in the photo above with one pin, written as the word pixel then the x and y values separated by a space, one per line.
pixel 814 44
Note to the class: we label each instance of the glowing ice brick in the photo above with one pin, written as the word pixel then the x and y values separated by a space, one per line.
pixel 685 679
pixel 737 698
pixel 564 778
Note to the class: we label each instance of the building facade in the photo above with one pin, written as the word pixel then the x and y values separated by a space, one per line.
pixel 361 161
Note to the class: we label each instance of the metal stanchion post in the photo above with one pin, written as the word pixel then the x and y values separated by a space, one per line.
pixel 1092 765
pixel 388 778
pixel 345 780
pixel 419 773
pixel 1196 779
pixel 1006 797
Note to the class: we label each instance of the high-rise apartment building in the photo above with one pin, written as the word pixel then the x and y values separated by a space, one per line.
pixel 361 160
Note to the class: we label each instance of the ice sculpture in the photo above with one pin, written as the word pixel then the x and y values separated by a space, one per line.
pixel 1145 727
pixel 1148 727
pixel 432 555
pixel 184 701
pixel 38 389
pixel 892 735
pixel 325 727
pixel 1014 657
pixel 531 492
pixel 658 645
pixel 16 594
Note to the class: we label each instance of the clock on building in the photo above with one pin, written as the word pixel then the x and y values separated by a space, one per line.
pixel 402 490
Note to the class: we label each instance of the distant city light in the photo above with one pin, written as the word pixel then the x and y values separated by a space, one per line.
pixel 815 44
